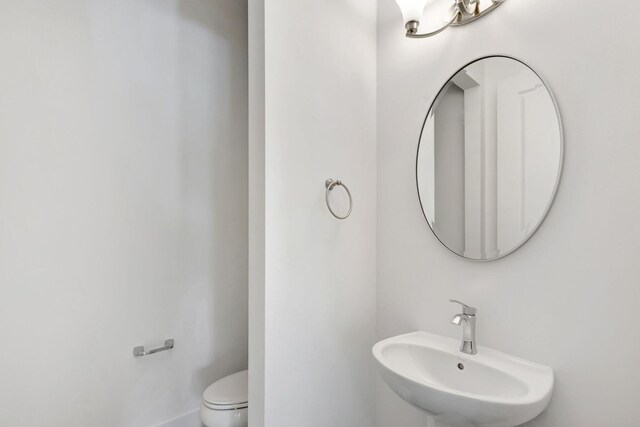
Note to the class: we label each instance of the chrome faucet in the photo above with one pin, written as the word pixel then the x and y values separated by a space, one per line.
pixel 468 320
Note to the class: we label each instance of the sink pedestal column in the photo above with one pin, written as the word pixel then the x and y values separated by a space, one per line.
pixel 433 422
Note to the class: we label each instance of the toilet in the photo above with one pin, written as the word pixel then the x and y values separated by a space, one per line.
pixel 225 403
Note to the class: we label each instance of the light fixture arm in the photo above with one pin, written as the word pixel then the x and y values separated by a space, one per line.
pixel 412 29
pixel 464 12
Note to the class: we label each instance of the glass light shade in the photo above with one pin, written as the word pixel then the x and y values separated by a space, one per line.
pixel 412 10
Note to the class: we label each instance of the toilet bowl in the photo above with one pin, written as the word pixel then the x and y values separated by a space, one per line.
pixel 225 403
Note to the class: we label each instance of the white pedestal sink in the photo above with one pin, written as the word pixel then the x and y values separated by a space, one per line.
pixel 487 389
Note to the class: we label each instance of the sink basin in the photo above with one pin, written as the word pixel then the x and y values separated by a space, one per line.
pixel 486 389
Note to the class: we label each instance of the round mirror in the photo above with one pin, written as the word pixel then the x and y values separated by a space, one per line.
pixel 489 158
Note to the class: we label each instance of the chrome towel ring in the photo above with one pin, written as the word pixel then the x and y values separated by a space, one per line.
pixel 330 184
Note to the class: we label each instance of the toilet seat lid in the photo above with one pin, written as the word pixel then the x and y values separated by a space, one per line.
pixel 230 390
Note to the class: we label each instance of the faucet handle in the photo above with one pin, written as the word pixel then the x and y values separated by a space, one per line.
pixel 471 311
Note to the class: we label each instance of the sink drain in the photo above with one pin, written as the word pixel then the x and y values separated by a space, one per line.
pixel 460 366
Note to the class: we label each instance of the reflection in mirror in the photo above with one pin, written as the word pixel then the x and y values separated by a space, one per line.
pixel 489 158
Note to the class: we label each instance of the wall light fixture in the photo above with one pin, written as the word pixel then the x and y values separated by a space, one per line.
pixel 461 12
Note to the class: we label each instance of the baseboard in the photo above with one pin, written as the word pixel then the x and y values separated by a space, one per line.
pixel 190 419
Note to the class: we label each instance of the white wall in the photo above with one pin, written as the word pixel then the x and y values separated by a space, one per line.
pixel 318 292
pixel 122 207
pixel 568 298
pixel 256 172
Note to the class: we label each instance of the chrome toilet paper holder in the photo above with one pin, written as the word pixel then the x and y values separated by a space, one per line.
pixel 139 351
